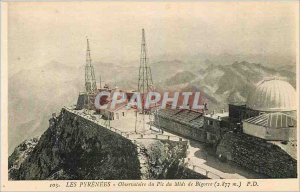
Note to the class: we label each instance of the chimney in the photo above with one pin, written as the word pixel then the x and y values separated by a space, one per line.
pixel 219 118
pixel 223 110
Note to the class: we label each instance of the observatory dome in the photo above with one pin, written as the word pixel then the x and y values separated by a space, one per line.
pixel 273 95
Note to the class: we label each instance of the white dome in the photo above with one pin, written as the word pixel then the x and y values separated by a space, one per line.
pixel 273 95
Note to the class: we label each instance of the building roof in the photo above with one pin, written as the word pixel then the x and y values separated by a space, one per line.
pixel 273 95
pixel 273 120
pixel 217 116
pixel 185 116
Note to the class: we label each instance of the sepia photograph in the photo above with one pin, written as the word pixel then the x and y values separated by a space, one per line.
pixel 143 96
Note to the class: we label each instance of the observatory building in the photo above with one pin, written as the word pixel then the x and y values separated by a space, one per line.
pixel 270 111
pixel 259 134
pixel 273 95
pixel 266 139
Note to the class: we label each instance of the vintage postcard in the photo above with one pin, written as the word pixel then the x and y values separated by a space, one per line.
pixel 149 96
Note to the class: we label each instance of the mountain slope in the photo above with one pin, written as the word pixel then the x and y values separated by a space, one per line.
pixel 75 148
pixel 35 93
pixel 231 83
pixel 180 78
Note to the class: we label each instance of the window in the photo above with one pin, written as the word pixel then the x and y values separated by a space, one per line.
pixel 123 113
pixel 209 122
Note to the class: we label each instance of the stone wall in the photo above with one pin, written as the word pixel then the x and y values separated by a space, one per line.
pixel 258 155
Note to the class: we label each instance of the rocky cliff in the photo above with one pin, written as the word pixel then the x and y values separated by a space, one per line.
pixel 75 148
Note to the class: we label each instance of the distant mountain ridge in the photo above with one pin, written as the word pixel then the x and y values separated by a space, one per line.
pixel 49 87
pixel 231 83
pixel 180 77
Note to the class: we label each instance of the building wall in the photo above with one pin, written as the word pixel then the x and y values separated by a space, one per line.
pixel 182 129
pixel 212 127
pixel 237 113
pixel 81 101
pixel 216 128
pixel 120 114
pixel 107 114
pixel 255 130
pixel 282 134
pixel 211 131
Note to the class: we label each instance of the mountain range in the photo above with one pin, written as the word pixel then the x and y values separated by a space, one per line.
pixel 36 93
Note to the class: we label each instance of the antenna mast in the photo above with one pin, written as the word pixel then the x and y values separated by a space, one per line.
pixel 90 81
pixel 145 76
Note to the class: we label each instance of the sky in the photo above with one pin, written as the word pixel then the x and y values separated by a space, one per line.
pixel 40 32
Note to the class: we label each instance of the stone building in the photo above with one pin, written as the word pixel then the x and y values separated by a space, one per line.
pixel 119 112
pixel 215 124
pixel 196 125
pixel 184 122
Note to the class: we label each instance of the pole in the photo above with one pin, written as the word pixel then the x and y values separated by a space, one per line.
pixel 100 81
pixel 135 121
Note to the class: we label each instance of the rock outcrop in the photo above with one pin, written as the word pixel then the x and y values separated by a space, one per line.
pixel 19 155
pixel 75 148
